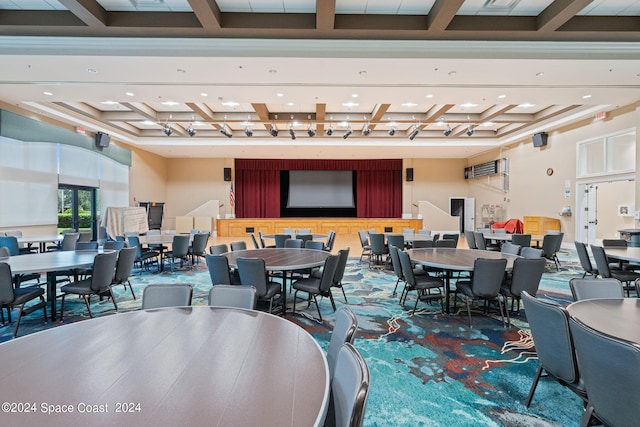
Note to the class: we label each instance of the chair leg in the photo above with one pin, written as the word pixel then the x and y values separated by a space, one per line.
pixel 468 301
pixel 533 386
pixel 62 306
pixel 586 417
pixel 86 302
pixel 333 303
pixel 15 331
pixel 317 306
pixel 130 288
pixel 396 287
pixel 113 298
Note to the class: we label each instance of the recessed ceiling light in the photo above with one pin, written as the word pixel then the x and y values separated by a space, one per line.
pixel 291 104
pixel 354 95
pixel 429 96
pixel 170 103
pixel 129 93
pixel 204 94
pixel 488 124
pixel 48 93
pixel 586 96
pixel 148 123
pixel 502 96
pixel 409 104
pixel 230 104
pixel 468 105
pixel 526 105
pixel 350 104
pixel 280 94
pixel 109 102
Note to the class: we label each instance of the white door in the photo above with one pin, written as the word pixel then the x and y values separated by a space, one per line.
pixel 469 214
pixel 590 213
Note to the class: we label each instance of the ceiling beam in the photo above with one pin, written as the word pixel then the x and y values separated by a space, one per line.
pixel 321 110
pixel 559 13
pixel 204 112
pixel 263 113
pixel 441 14
pixel 378 113
pixel 325 15
pixel 144 110
pixel 88 11
pixel 207 12
pixel 495 111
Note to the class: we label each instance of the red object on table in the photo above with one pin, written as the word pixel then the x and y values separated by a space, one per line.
pixel 513 225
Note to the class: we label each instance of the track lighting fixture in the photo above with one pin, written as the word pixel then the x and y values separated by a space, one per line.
pixel 311 132
pixel 226 131
pixel 392 131
pixel 191 131
pixel 366 130
pixel 470 130
pixel 347 133
pixel 273 131
pixel 447 131
pixel 167 130
pixel 248 131
pixel 414 132
pixel 330 130
pixel 292 133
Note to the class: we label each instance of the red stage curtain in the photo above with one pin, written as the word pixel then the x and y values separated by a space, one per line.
pixel 379 185
pixel 379 194
pixel 257 193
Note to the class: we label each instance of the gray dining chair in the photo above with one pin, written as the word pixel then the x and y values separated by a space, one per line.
pixel 596 288
pixel 113 245
pixel 627 277
pixel 510 248
pixel 145 257
pixel 608 368
pixel 240 245
pixel 124 267
pixel 253 273
pixel 525 276
pixel 364 242
pixel 280 239
pixel 378 249
pixel 344 330
pixel 522 240
pixel 169 295
pixel 423 284
pixel 318 286
pixel 585 261
pixel 218 249
pixel 549 325
pixel 314 244
pixel 179 250
pixel 396 240
pixel 103 270
pixel 233 296
pixel 550 247
pixel 485 284
pixel 418 244
pixel 471 239
pixel 528 252
pixel 198 247
pixel 349 389
pixel 293 243
pixel 11 298
pixel 219 271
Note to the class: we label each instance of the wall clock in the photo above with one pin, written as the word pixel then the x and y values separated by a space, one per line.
pixel 549 171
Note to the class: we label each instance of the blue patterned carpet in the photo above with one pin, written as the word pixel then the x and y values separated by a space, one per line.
pixel 427 369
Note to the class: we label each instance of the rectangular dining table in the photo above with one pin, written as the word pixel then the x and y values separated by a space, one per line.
pixel 50 262
pixel 451 260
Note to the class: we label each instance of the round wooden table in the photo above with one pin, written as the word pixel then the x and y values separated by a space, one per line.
pixel 281 259
pixel 618 318
pixel 192 366
pixel 449 260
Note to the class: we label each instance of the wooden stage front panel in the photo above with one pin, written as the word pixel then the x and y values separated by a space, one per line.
pixel 342 226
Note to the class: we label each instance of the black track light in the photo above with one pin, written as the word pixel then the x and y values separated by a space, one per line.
pixel 392 131
pixel 273 130
pixel 414 133
pixel 347 133
pixel 447 131
pixel 329 130
pixel 248 131
pixel 167 130
pixel 292 133
pixel 191 131
pixel 311 132
pixel 366 130
pixel 470 130
pixel 226 132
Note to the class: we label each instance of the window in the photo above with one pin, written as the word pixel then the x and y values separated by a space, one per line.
pixel 609 155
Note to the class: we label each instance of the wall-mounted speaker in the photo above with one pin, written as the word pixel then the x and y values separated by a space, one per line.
pixel 539 139
pixel 409 174
pixel 102 140
pixel 227 174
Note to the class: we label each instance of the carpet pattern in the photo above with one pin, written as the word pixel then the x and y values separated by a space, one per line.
pixel 427 369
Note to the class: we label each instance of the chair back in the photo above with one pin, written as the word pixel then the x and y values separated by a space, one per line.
pixel 446 243
pixel 328 273
pixel 124 266
pixel 180 245
pixel 451 236
pixel 113 245
pixel 396 240
pixel 344 331
pixel 85 236
pixel 304 231
pixel 330 240
pixel 304 237
pixel 522 240
pixel 290 231
pixel 480 242
pixel 528 252
pixel 233 296
pixel 6 285
pixel 602 263
pixel 314 244
pixel 510 248
pixel 239 245
pixel 69 241
pixel 549 324
pixel 11 243
pixel 218 266
pixel 526 275
pixel 417 244
pixel 471 239
pixel 487 277
pixel 260 236
pixel 364 239
pixel 395 262
pixel 596 288
pixel 199 244
pixel 342 264
pixel 350 387
pixel 254 240
pixel 253 273
pixel 134 242
pixel 407 268
pixel 86 246
pixel 293 243
pixel 549 245
pixel 377 243
pixel 173 295
pixel 608 368
pixel 4 252
pixel 104 266
pixel 218 249
pixel 280 238
pixel 583 256
pixel 425 232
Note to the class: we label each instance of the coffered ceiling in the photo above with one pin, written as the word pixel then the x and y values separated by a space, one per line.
pixel 169 75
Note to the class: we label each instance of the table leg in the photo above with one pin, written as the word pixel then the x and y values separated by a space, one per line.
pixel 284 293
pixel 447 290
pixel 51 293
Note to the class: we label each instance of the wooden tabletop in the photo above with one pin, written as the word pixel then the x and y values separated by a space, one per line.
pixel 191 366
pixel 455 259
pixel 618 318
pixel 281 259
